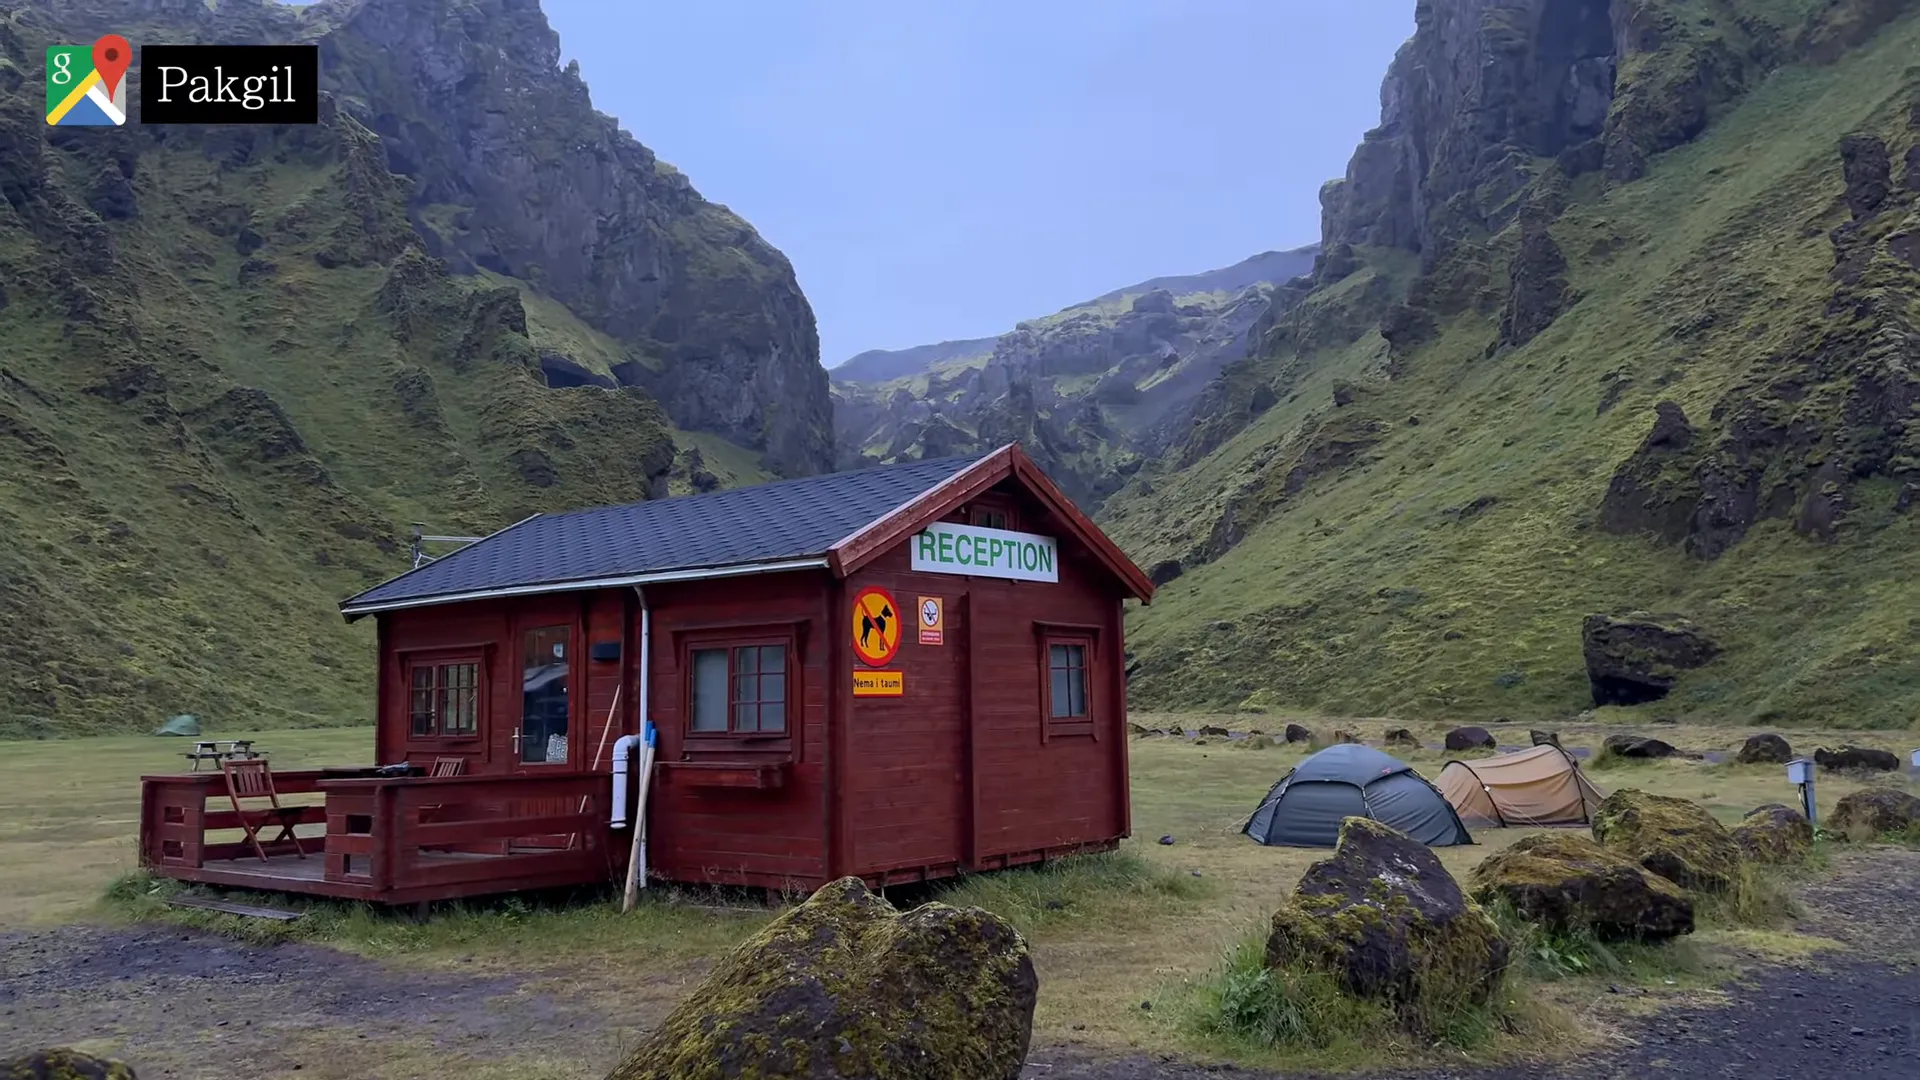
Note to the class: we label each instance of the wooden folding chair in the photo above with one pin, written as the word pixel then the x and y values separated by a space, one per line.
pixel 252 779
pixel 449 766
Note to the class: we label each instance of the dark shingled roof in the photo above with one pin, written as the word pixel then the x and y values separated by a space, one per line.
pixel 787 519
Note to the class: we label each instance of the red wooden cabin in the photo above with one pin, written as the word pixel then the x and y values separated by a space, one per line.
pixel 900 672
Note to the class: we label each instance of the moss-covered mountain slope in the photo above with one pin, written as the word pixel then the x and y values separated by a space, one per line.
pixel 1618 310
pixel 236 362
pixel 1091 391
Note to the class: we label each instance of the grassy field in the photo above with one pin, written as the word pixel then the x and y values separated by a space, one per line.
pixel 1122 944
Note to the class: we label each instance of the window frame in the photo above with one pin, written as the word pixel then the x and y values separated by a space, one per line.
pixel 437 660
pixel 787 636
pixel 980 515
pixel 1087 637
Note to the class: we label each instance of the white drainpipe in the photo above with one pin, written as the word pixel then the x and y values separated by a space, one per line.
pixel 624 749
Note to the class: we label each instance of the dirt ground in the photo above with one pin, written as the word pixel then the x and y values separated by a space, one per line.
pixel 180 1003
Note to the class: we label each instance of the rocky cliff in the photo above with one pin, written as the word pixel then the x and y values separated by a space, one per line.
pixel 1091 391
pixel 1615 309
pixel 236 362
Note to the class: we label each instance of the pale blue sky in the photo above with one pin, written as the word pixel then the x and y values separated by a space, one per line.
pixel 943 170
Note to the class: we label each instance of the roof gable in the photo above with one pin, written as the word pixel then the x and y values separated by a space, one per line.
pixel 1008 462
pixel 766 526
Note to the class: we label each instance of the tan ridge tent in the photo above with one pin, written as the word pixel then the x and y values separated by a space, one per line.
pixel 1542 785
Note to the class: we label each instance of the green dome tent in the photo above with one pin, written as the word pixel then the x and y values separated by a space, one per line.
pixel 1306 807
pixel 184 724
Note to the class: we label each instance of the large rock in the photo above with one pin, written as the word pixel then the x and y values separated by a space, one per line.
pixel 1774 833
pixel 1469 738
pixel 844 986
pixel 1868 172
pixel 1856 759
pixel 1865 815
pixel 62 1063
pixel 1672 837
pixel 1637 657
pixel 1565 881
pixel 1635 746
pixel 1387 919
pixel 1536 282
pixel 1765 750
pixel 1402 737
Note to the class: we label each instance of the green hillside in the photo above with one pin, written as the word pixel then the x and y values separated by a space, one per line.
pixel 1418 528
pixel 230 375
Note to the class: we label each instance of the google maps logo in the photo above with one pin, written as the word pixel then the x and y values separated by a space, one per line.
pixel 88 88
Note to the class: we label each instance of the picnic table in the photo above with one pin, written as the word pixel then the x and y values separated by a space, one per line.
pixel 218 750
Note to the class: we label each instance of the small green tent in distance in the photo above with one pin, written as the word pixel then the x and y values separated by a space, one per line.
pixel 184 724
pixel 1349 780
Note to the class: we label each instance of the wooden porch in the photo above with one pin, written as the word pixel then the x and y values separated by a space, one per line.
pixel 386 840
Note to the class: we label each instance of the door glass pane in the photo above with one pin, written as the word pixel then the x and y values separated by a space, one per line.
pixel 543 695
pixel 710 690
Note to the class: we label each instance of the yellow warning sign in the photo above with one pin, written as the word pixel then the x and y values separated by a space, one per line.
pixel 876 625
pixel 932 628
pixel 879 684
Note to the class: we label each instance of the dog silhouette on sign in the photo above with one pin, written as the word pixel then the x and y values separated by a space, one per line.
pixel 870 622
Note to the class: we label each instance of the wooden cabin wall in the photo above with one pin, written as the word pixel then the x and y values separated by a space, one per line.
pixel 483 628
pixel 708 825
pixel 960 770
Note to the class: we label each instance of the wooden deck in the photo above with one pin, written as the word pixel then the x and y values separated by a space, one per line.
pixel 389 841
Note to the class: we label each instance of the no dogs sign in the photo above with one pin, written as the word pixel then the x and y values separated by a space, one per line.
pixel 876 626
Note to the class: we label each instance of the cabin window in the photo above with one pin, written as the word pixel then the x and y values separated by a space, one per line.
pixel 1066 678
pixel 739 690
pixel 444 698
pixel 988 517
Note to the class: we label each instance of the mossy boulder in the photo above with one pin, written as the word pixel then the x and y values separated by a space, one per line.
pixel 1565 881
pixel 1856 759
pixel 1470 738
pixel 845 986
pixel 1672 837
pixel 1774 834
pixel 61 1063
pixel 1402 737
pixel 1384 916
pixel 1765 750
pixel 1864 815
pixel 1342 735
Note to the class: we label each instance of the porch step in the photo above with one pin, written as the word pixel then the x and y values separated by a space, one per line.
pixel 252 911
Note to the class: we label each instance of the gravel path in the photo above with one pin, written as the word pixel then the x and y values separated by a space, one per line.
pixel 165 993
pixel 1852 1013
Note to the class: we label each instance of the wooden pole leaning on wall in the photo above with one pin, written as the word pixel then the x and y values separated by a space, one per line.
pixel 650 737
pixel 606 730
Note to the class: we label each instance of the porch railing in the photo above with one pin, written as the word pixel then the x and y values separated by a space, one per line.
pixel 394 839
